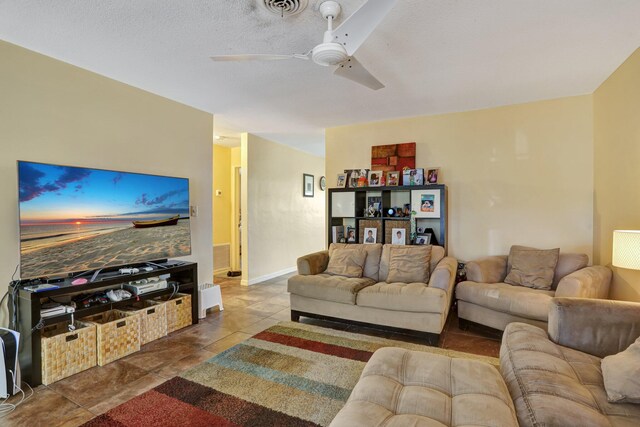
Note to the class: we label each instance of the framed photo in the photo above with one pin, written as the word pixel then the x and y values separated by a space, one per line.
pixel 413 177
pixel 375 178
pixel 423 239
pixel 432 176
pixel 351 235
pixel 374 207
pixel 398 236
pixel 307 185
pixel 426 203
pixel 370 235
pixel 342 180
pixel 393 178
pixel 357 177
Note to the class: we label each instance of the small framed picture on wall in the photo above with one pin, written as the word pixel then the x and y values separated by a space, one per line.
pixel 307 185
pixel 342 180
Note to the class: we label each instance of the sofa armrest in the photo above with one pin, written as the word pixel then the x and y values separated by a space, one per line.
pixel 444 275
pixel 491 269
pixel 595 326
pixel 589 282
pixel 314 263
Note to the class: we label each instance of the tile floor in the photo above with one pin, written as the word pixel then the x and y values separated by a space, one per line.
pixel 76 399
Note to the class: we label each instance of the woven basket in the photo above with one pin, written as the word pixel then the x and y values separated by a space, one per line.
pixel 66 353
pixel 178 312
pixel 153 320
pixel 370 223
pixel 118 335
pixel 390 225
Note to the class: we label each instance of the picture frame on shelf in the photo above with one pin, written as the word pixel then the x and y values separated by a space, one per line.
pixel 342 180
pixel 432 176
pixel 307 185
pixel 413 177
pixel 393 178
pixel 370 236
pixel 375 178
pixel 351 235
pixel 356 177
pixel 423 239
pixel 426 203
pixel 398 236
pixel 374 207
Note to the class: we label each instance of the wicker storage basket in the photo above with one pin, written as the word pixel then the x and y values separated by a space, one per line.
pixel 117 335
pixel 65 353
pixel 391 224
pixel 178 312
pixel 370 223
pixel 153 320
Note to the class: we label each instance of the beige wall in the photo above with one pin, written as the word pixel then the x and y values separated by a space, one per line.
pixel 617 171
pixel 520 174
pixel 53 112
pixel 222 203
pixel 282 225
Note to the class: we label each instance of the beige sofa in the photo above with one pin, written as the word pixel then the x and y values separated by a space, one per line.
pixel 485 299
pixel 544 380
pixel 417 308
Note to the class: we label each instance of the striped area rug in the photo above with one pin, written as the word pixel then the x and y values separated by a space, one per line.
pixel 291 374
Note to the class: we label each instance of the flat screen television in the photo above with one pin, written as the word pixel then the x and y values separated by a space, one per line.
pixel 74 219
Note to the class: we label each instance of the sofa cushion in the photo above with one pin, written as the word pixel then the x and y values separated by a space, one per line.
pixel 346 262
pixel 409 264
pixel 532 268
pixel 371 264
pixel 621 373
pixel 401 387
pixel 415 297
pixel 553 385
pixel 329 288
pixel 518 300
pixel 567 264
pixel 437 254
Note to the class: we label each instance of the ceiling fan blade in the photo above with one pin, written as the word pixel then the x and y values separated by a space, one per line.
pixel 356 28
pixel 353 70
pixel 256 57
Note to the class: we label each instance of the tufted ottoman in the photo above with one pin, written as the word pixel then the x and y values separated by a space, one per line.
pixel 411 388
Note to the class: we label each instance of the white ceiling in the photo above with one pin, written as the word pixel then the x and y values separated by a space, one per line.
pixel 434 56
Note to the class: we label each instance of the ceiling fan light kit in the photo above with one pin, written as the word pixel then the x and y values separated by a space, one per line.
pixel 338 46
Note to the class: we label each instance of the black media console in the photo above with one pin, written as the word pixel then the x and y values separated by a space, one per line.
pixel 29 305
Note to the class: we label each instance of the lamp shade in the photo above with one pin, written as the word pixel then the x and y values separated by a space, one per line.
pixel 626 249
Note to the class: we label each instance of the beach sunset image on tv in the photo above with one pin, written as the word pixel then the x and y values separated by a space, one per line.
pixel 75 219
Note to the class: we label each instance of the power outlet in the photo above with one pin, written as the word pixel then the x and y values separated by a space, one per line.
pixel 194 211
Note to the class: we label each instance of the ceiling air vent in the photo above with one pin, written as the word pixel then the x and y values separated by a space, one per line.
pixel 285 7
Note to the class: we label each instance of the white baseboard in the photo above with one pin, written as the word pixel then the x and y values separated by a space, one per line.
pixel 266 277
pixel 221 271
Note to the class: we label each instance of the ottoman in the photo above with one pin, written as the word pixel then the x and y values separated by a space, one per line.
pixel 401 387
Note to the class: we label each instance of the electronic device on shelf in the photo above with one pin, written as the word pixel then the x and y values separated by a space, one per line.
pixel 54 309
pixel 9 367
pixel 41 288
pixel 140 287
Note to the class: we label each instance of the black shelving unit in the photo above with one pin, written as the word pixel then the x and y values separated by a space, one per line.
pixel 389 198
pixel 185 274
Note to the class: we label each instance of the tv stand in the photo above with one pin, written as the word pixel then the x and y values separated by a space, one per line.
pixel 29 305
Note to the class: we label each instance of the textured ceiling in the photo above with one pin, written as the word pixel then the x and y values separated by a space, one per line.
pixel 434 56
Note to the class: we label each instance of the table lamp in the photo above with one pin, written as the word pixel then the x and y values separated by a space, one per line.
pixel 626 249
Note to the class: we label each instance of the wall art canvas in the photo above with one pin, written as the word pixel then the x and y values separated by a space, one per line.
pixel 393 157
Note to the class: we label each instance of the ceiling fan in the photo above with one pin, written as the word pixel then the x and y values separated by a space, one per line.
pixel 339 45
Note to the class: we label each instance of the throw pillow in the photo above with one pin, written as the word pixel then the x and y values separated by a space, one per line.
pixel 346 262
pixel 409 264
pixel 621 374
pixel 533 268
